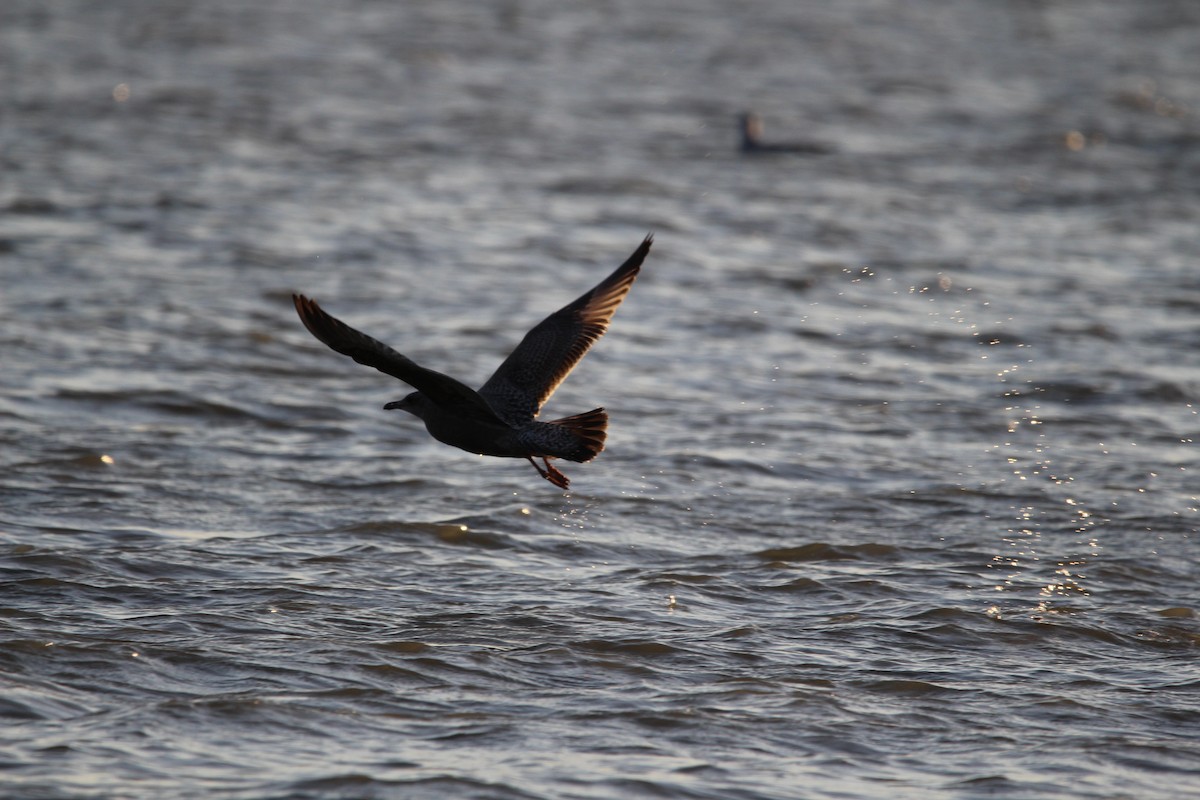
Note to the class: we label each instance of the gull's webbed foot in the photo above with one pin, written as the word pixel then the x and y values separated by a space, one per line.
pixel 550 473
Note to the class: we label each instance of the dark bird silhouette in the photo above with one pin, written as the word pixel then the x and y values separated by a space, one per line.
pixel 751 129
pixel 501 418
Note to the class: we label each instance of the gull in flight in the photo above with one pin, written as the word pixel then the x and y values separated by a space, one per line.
pixel 501 418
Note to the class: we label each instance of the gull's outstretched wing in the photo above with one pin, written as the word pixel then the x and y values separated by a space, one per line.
pixel 443 390
pixel 551 350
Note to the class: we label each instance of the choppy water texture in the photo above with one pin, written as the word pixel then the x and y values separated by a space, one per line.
pixel 901 492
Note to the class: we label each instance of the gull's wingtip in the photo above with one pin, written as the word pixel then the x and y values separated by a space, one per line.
pixel 643 249
pixel 307 307
pixel 634 262
pixel 311 314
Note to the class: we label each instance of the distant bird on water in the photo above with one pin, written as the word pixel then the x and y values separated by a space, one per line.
pixel 501 418
pixel 752 128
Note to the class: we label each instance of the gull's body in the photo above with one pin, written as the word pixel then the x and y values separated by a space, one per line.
pixel 501 418
pixel 751 128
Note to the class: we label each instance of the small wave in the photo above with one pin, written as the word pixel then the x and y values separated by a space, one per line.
pixel 823 551
pixel 907 686
pixel 647 648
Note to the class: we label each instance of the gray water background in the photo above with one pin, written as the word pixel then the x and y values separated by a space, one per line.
pixel 900 498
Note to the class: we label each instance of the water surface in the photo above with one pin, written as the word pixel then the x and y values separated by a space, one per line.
pixel 900 494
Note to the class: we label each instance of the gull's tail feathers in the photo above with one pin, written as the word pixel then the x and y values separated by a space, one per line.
pixel 588 432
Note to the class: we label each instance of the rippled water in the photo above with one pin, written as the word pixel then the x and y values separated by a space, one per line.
pixel 900 498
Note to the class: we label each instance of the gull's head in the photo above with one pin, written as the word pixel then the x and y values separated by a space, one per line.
pixel 416 404
pixel 752 128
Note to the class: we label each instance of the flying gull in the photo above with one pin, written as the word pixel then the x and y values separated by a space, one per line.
pixel 501 418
